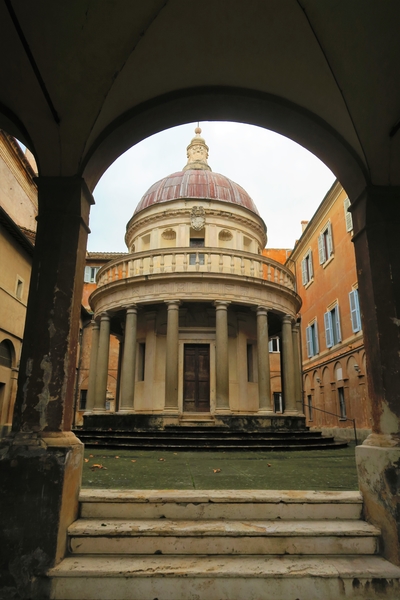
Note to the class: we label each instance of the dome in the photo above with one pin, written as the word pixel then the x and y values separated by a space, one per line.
pixel 199 184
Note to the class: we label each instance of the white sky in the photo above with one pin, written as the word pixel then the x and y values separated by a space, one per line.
pixel 286 182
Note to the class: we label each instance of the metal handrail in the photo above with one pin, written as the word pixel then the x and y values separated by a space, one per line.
pixel 334 415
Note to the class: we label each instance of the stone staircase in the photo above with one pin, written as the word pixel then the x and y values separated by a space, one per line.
pixel 222 545
pixel 192 436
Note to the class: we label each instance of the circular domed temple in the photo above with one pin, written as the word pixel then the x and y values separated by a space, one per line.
pixel 195 303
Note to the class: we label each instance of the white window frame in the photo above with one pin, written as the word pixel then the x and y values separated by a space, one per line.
pixel 355 312
pixel 307 272
pixel 325 244
pixel 274 341
pixel 333 333
pixel 347 215
pixel 90 274
pixel 312 339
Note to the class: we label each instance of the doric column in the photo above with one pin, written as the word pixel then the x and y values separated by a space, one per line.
pixel 264 381
pixel 288 373
pixel 376 219
pixel 91 393
pixel 128 366
pixel 172 358
pixel 102 364
pixel 222 355
pixel 298 379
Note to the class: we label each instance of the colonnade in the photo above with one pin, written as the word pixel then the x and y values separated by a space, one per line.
pixel 290 375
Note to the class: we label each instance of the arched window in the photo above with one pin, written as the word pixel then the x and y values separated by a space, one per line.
pixel 5 354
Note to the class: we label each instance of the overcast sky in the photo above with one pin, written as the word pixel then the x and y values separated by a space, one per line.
pixel 286 182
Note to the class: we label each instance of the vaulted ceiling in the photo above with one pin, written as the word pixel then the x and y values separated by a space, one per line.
pixel 81 81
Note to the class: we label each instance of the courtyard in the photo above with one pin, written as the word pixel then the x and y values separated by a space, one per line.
pixel 159 469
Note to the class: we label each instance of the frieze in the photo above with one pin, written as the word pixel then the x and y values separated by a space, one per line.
pixel 248 293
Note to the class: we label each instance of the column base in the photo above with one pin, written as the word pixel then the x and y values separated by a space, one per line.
pixel 289 413
pixel 40 480
pixel 223 410
pixel 125 411
pixel 171 410
pixel 266 411
pixel 378 466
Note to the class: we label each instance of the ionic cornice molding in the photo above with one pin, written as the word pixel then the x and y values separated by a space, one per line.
pixel 185 213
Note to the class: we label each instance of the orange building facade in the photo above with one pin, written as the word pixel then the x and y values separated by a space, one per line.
pixel 333 356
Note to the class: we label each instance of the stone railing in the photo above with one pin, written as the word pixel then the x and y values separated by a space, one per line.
pixel 188 260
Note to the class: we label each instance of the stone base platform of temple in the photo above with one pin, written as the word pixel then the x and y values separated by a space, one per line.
pixel 214 545
pixel 202 432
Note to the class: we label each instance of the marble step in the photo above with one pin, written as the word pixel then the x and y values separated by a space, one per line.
pixel 219 504
pixel 224 578
pixel 164 536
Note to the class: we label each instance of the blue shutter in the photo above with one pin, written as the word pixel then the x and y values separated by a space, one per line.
pixel 329 240
pixel 348 215
pixel 355 311
pixel 328 329
pixel 321 249
pixel 316 344
pixel 304 273
pixel 310 265
pixel 309 342
pixel 86 278
pixel 337 324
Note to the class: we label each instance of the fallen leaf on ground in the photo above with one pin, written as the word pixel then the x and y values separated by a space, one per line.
pixel 116 456
pixel 97 466
pixel 268 465
pixel 162 459
pixel 176 454
pixel 217 470
pixel 86 460
pixel 133 460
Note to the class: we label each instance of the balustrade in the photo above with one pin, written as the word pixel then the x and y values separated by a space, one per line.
pixel 183 260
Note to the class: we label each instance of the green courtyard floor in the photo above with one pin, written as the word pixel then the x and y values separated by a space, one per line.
pixel 158 469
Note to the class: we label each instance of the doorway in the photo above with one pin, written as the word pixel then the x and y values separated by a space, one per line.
pixel 196 378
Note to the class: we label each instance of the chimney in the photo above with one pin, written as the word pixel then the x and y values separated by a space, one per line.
pixel 304 225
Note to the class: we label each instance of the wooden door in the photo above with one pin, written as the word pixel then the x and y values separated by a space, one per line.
pixel 196 378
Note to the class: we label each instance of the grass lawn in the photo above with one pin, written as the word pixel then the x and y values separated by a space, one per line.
pixel 333 469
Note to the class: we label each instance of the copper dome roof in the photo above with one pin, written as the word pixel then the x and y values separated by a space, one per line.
pixel 199 184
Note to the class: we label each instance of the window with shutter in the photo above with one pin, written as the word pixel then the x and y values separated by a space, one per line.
pixel 321 249
pixel 325 244
pixel 333 332
pixel 312 339
pixel 87 275
pixel 307 268
pixel 347 215
pixel 328 329
pixel 355 311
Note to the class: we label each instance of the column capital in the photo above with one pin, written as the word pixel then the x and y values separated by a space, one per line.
pixel 287 319
pixel 131 309
pixel 221 304
pixel 95 323
pixel 171 304
pixel 105 316
pixel 262 310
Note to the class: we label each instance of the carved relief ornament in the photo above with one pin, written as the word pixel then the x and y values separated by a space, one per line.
pixel 197 218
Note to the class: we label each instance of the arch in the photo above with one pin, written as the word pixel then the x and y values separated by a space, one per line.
pixel 7 354
pixel 13 125
pixel 230 104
